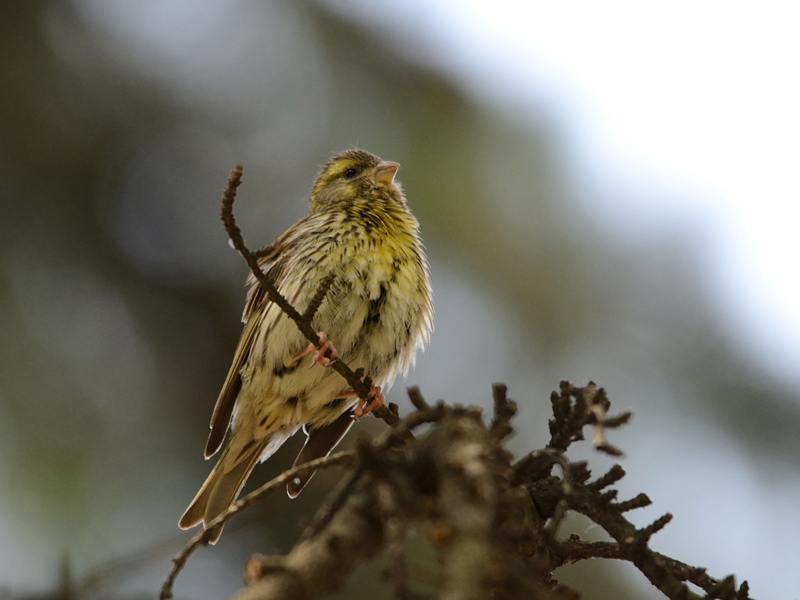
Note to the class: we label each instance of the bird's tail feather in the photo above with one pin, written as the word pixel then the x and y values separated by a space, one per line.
pixel 320 442
pixel 221 488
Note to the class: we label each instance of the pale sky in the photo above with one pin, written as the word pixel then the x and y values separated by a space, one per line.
pixel 697 97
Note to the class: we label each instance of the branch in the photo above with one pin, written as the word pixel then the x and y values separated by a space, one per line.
pixel 201 537
pixel 493 523
pixel 391 438
pixel 576 549
pixel 454 478
pixel 574 408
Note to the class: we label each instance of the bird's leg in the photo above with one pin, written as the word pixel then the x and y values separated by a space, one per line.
pixel 319 351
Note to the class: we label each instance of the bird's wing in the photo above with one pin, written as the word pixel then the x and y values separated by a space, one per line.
pixel 221 418
pixel 253 319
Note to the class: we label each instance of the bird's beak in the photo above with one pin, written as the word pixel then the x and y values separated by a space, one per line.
pixel 385 171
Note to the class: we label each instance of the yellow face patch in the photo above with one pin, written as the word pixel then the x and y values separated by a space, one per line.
pixel 342 178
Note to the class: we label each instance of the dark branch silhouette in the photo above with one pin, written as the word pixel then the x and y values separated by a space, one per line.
pixel 493 522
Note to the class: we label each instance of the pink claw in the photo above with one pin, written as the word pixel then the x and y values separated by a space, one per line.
pixel 319 351
pixel 376 401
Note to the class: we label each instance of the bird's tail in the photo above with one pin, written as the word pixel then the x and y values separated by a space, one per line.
pixel 222 486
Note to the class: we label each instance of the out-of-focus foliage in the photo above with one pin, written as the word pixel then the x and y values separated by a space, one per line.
pixel 120 297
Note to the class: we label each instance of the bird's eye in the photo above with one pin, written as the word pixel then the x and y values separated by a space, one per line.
pixel 350 173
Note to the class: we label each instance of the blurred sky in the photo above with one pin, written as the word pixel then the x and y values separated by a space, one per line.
pixel 662 116
pixel 699 99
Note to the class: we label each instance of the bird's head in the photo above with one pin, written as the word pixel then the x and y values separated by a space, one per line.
pixel 354 174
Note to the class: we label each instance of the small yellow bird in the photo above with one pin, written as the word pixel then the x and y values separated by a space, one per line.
pixel 378 311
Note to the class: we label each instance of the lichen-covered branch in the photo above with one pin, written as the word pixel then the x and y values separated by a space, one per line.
pixel 492 521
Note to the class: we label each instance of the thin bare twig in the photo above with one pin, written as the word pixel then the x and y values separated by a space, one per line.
pixel 201 537
pixel 360 386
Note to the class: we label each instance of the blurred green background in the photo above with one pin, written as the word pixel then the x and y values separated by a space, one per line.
pixel 120 298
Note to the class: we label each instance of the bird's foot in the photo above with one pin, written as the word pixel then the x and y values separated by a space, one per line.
pixel 325 346
pixel 376 400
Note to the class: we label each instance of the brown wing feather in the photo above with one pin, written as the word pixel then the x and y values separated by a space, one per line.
pixel 223 409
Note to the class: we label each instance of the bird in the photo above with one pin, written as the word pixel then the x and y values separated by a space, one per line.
pixel 376 315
